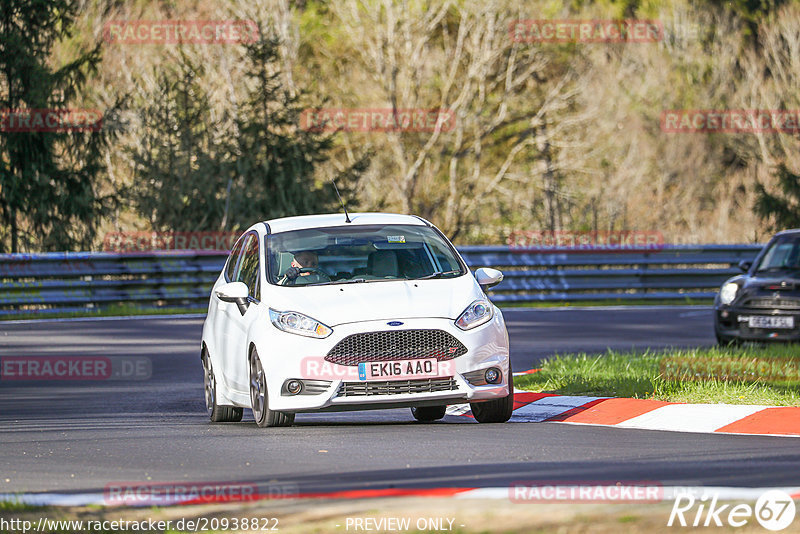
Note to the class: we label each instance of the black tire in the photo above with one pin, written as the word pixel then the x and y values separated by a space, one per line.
pixel 498 410
pixel 216 413
pixel 428 414
pixel 728 341
pixel 259 400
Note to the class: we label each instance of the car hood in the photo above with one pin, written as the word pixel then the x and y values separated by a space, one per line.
pixel 772 281
pixel 762 285
pixel 377 301
pixel 769 284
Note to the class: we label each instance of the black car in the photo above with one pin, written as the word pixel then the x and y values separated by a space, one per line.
pixel 763 304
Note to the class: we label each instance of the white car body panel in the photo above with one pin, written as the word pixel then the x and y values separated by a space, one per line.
pixel 337 219
pixel 393 300
pixel 228 336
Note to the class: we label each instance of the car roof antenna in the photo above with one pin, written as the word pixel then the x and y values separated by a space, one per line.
pixel 346 216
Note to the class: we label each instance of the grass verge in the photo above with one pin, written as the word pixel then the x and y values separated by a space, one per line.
pixel 766 375
pixel 13 505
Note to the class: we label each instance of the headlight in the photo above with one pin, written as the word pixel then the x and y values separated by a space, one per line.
pixel 297 323
pixel 728 292
pixel 476 314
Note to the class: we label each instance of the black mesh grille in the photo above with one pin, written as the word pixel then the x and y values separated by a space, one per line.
pixel 396 387
pixel 779 304
pixel 396 345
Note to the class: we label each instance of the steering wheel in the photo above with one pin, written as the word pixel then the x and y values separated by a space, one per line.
pixel 318 272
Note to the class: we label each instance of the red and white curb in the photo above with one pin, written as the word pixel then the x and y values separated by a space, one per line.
pixel 647 414
pixel 522 492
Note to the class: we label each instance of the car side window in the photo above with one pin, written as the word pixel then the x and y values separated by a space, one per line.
pixel 233 260
pixel 444 258
pixel 248 271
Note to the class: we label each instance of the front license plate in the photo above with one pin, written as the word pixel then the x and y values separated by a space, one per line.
pixel 398 370
pixel 771 322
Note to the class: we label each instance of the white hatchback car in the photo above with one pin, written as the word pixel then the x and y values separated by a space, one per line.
pixel 315 313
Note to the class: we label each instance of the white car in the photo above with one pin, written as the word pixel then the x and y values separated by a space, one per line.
pixel 315 314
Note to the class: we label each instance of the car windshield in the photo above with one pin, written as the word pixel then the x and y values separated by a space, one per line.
pixel 355 254
pixel 782 255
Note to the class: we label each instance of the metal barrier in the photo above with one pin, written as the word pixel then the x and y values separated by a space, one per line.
pixel 82 281
pixel 666 273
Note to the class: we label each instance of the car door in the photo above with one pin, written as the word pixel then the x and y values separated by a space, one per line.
pixel 236 351
pixel 218 309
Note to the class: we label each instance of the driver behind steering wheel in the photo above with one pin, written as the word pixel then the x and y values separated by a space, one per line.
pixel 306 259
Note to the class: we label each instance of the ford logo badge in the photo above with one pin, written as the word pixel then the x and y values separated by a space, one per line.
pixel 395 323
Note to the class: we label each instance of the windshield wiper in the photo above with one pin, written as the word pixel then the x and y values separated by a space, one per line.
pixel 359 280
pixel 438 274
pixel 336 282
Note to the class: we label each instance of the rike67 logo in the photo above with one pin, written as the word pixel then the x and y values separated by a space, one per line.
pixel 774 510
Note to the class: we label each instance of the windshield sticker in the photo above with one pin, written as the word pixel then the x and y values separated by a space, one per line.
pixel 396 238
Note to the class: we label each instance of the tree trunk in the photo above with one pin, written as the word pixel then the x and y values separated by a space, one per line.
pixel 14 230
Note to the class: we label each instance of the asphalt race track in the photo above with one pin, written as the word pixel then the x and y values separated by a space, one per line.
pixel 82 436
pixel 535 334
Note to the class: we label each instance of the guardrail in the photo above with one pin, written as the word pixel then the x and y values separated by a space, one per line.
pixel 670 272
pixel 82 281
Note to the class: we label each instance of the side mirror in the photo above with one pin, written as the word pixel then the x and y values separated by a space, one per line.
pixel 234 292
pixel 745 265
pixel 488 277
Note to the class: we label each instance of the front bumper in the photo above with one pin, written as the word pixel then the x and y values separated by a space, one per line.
pixel 288 356
pixel 733 323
